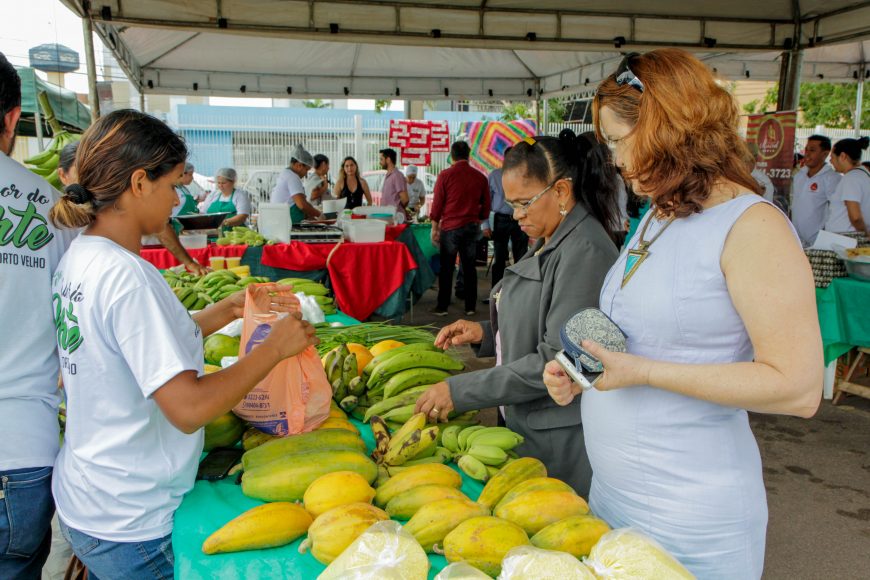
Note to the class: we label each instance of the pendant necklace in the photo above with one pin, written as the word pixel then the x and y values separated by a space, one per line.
pixel 636 257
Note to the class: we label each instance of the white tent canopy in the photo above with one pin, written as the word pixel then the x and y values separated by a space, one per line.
pixel 462 49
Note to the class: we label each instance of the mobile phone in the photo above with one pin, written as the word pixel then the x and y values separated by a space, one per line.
pixel 218 462
pixel 585 380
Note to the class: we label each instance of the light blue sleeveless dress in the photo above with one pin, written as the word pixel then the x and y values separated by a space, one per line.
pixel 685 471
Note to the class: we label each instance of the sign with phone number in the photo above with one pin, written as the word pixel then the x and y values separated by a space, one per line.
pixel 772 135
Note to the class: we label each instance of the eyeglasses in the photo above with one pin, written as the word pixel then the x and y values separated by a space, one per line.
pixel 624 74
pixel 524 206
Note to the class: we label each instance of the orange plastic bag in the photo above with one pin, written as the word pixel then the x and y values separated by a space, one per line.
pixel 295 396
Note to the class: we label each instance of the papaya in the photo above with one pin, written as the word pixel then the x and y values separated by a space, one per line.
pixel 321 440
pixel 336 529
pixel 225 431
pixel 534 484
pixel 265 526
pixel 407 503
pixel 535 510
pixel 286 479
pixel 334 423
pixel 253 438
pixel 508 477
pixel 575 535
pixel 483 543
pixel 426 474
pixel 335 489
pixel 435 520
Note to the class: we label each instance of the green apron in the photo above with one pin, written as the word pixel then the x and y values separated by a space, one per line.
pixel 188 207
pixel 296 214
pixel 218 206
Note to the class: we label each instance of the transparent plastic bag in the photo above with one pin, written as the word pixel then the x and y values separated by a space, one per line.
pixel 311 310
pixel 461 571
pixel 531 563
pixel 627 554
pixel 383 552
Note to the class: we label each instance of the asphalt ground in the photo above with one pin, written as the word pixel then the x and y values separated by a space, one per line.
pixel 816 471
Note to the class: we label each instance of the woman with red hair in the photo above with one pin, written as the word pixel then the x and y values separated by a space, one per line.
pixel 716 298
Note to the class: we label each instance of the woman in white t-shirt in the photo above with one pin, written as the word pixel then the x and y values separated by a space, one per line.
pixel 132 356
pixel 850 205
pixel 229 199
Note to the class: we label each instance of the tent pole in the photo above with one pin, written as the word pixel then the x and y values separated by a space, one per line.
pixel 859 101
pixel 790 78
pixel 88 30
pixel 37 120
pixel 141 101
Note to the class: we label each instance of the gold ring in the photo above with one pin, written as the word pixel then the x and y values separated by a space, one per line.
pixel 435 410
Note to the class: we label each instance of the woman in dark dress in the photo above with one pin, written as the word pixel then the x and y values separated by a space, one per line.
pixel 351 185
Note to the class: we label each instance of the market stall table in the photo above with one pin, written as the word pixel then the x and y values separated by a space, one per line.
pixel 844 319
pixel 212 504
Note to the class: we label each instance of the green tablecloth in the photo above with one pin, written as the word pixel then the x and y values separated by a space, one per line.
pixel 211 505
pixel 423 235
pixel 844 316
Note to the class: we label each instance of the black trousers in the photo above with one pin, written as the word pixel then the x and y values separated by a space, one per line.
pixel 461 241
pixel 506 229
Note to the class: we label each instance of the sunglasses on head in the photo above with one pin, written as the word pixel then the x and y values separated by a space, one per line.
pixel 624 75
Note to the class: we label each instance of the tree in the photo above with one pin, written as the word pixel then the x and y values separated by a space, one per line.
pixel 382 105
pixel 828 104
pixel 317 104
pixel 512 111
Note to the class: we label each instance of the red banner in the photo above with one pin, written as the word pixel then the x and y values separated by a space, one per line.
pixel 773 135
pixel 417 140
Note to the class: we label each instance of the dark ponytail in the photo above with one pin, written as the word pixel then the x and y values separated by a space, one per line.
pixel 852 147
pixel 581 158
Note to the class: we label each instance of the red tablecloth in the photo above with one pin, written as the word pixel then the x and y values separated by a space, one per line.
pixel 393 232
pixel 163 259
pixel 363 276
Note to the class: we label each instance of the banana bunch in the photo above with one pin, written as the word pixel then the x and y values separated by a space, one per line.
pixel 197 293
pixel 404 368
pixel 342 371
pixel 191 299
pixel 480 451
pixel 240 235
pixel 414 443
pixel 45 163
pixel 316 290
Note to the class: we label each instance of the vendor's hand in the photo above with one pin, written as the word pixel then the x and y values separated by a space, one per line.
pixel 291 335
pixel 460 332
pixel 559 385
pixel 487 233
pixel 436 236
pixel 196 268
pixel 436 402
pixel 620 369
pixel 279 303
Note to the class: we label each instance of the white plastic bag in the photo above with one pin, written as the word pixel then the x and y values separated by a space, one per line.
pixel 234 328
pixel 311 310
pixel 461 571
pixel 627 554
pixel 383 552
pixel 531 563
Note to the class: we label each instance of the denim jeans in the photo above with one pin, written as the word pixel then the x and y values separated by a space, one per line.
pixel 462 241
pixel 26 508
pixel 107 560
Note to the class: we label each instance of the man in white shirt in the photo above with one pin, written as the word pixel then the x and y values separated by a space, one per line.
pixel 416 189
pixel 812 188
pixel 317 184
pixel 29 394
pixel 289 188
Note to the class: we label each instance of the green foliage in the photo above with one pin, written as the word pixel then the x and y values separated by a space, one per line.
pixel 317 104
pixel 513 111
pixel 382 105
pixel 828 104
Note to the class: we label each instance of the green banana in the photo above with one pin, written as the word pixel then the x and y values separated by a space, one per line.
pixel 385 356
pixel 356 386
pixel 427 450
pixel 189 301
pixel 408 397
pixel 334 371
pixel 339 390
pixel 400 414
pixel 499 436
pixel 488 454
pixel 324 300
pixel 405 361
pixel 412 378
pixel 473 468
pixel 449 438
pixel 348 403
pixel 359 412
pixel 349 369
pixel 43 156
pixel 444 453
pixel 328 360
pixel 312 290
pixel 248 280
pixel 42 171
pixel 462 438
pixel 199 305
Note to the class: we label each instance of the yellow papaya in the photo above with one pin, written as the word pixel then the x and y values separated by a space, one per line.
pixel 508 477
pixel 406 504
pixel 265 526
pixel 336 529
pixel 535 510
pixel 435 520
pixel 335 489
pixel 286 479
pixel 483 543
pixel 334 423
pixel 575 535
pixel 225 431
pixel 426 474
pixel 534 484
pixel 337 413
pixel 253 438
pixel 313 441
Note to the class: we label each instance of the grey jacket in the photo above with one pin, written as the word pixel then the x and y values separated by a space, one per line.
pixel 535 298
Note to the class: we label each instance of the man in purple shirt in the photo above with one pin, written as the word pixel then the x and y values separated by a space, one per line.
pixel 394 192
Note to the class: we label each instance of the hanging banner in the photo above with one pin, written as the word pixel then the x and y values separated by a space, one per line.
pixel 773 136
pixel 417 140
pixel 489 139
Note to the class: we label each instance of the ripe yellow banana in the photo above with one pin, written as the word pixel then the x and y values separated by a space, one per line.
pixel 382 437
pixel 413 446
